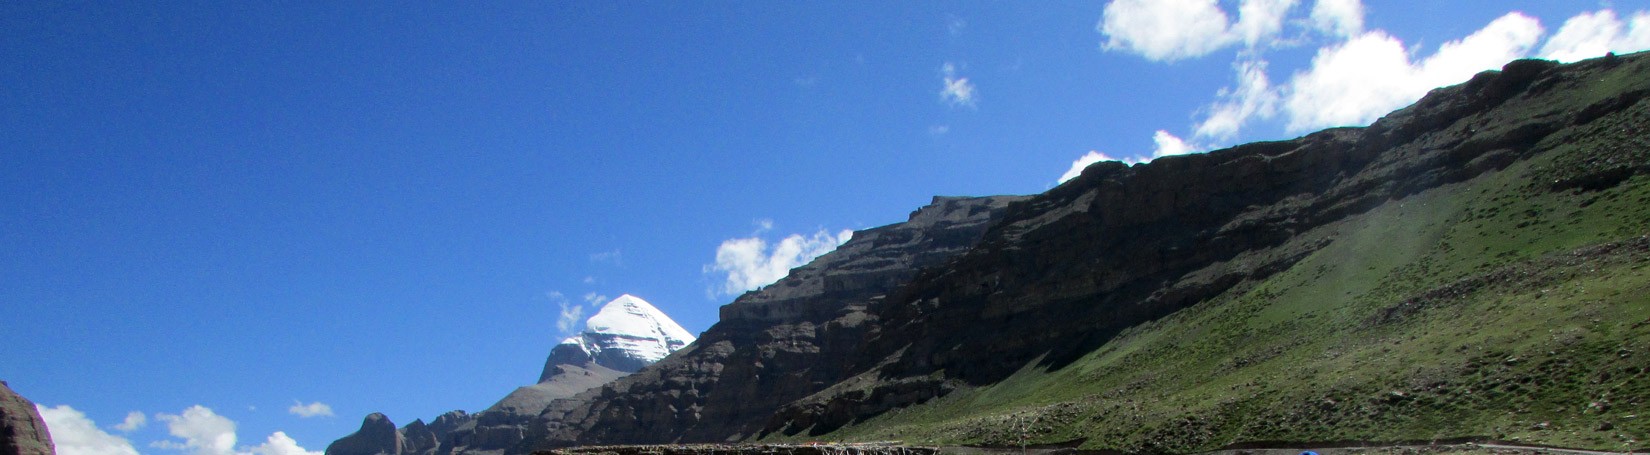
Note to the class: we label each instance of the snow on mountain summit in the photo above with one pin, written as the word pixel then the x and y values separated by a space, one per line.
pixel 626 334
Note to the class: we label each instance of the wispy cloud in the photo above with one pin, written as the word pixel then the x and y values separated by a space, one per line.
pixel 571 314
pixel 748 263
pixel 958 91
pixel 134 420
pixel 75 434
pixel 1253 97
pixel 1343 18
pixel 614 258
pixel 315 409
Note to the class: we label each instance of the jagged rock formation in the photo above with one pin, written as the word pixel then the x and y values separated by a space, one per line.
pixel 377 435
pixel 418 438
pixel 783 342
pixel 22 431
pixel 623 336
pixel 860 331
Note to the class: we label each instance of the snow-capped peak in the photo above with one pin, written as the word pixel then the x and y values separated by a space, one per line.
pixel 628 333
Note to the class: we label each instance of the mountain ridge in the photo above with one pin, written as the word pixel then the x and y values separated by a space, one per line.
pixel 1387 282
pixel 1534 129
pixel 1060 276
pixel 626 334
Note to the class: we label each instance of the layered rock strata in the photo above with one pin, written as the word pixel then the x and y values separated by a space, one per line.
pixel 777 344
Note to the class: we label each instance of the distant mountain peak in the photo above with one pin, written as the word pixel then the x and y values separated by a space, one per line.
pixel 626 334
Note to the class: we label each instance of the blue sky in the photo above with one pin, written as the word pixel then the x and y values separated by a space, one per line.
pixel 212 213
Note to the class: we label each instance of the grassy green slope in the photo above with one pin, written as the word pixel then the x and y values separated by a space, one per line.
pixel 1499 307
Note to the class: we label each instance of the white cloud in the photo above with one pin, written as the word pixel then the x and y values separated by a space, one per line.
pixel 1343 18
pixel 74 434
pixel 1168 145
pixel 1593 34
pixel 1353 81
pixel 134 421
pixel 206 433
pixel 958 91
pixel 1254 97
pixel 1260 20
pixel 1507 38
pixel 955 25
pixel 571 314
pixel 749 264
pixel 203 432
pixel 594 298
pixel 1084 161
pixel 315 409
pixel 1169 30
pixel 939 130
pixel 1164 30
pixel 279 444
pixel 1358 81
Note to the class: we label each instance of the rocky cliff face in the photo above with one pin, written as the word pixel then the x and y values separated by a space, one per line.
pixel 894 317
pixel 774 345
pixel 22 431
pixel 1060 275
pixel 623 336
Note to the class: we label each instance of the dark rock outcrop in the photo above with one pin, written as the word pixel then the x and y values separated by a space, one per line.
pixel 22 431
pixel 418 439
pixel 783 342
pixel 377 435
